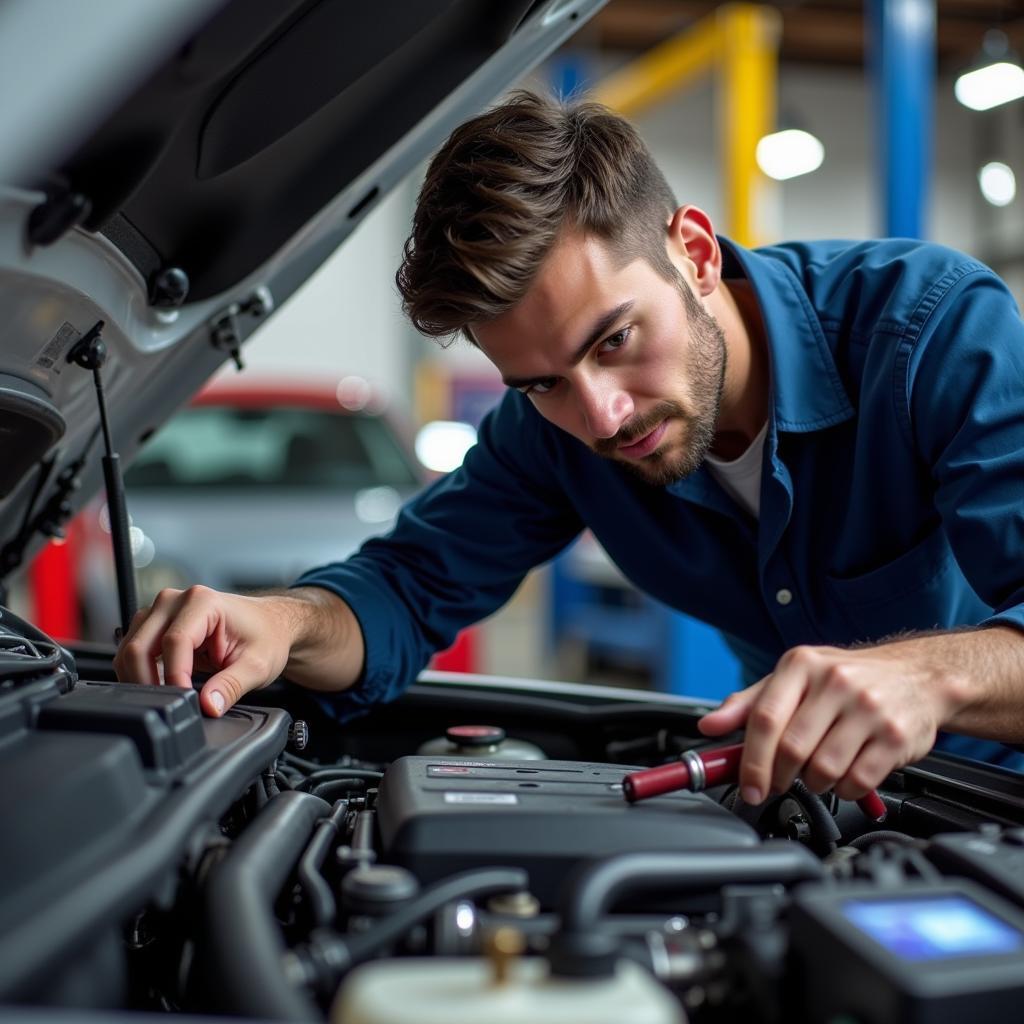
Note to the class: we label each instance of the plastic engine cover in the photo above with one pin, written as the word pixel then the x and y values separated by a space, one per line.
pixel 441 816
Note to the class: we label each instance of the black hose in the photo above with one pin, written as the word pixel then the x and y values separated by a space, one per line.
pixel 293 760
pixel 322 904
pixel 333 774
pixel 823 826
pixel 882 835
pixel 595 888
pixel 335 955
pixel 243 946
pixel 333 790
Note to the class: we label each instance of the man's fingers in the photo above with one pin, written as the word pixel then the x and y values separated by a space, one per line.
pixel 137 658
pixel 814 719
pixel 868 770
pixel 732 713
pixel 766 722
pixel 835 754
pixel 196 625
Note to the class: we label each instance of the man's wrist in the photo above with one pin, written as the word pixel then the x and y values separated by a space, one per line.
pixel 972 673
pixel 326 649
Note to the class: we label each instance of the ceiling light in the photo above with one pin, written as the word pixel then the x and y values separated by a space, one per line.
pixel 996 78
pixel 990 86
pixel 998 183
pixel 789 153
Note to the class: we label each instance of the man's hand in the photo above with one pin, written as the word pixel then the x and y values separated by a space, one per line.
pixel 246 642
pixel 842 718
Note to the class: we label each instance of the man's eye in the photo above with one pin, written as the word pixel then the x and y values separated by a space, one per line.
pixel 540 387
pixel 617 340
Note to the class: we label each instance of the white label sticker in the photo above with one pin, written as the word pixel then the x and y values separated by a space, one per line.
pixel 49 358
pixel 481 798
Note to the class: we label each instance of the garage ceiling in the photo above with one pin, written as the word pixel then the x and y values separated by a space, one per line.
pixel 814 31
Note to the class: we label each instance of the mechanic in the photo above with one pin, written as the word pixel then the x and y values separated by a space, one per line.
pixel 817 448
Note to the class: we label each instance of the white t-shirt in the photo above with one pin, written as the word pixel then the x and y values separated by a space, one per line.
pixel 741 478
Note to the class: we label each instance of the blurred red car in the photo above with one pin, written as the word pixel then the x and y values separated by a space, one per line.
pixel 249 485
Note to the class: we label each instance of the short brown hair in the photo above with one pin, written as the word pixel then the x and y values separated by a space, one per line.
pixel 501 189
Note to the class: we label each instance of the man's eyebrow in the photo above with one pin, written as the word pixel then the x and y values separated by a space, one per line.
pixel 595 334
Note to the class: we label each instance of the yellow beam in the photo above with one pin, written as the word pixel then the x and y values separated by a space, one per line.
pixel 741 42
pixel 662 71
pixel 748 72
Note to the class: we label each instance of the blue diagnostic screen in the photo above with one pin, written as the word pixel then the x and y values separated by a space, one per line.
pixel 933 928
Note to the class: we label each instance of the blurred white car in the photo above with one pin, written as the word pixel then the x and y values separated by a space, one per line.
pixel 246 487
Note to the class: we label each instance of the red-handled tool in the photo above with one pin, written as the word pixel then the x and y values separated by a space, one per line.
pixel 696 770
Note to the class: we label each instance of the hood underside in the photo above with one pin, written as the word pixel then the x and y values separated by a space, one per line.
pixel 178 199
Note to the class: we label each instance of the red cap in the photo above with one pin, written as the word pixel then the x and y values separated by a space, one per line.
pixel 475 735
pixel 666 778
pixel 873 806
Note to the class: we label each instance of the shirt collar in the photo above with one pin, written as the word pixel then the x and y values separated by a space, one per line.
pixel 806 391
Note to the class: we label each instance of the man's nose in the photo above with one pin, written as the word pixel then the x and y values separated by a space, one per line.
pixel 605 407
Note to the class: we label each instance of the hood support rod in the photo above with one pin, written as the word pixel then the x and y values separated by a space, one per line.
pixel 90 353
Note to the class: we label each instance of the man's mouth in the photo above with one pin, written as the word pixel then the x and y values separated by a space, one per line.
pixel 645 445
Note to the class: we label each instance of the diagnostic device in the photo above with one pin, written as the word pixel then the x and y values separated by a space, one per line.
pixel 925 953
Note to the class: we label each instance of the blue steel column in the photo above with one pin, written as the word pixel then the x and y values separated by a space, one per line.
pixel 903 68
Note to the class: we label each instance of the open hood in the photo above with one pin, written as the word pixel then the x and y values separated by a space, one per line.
pixel 176 171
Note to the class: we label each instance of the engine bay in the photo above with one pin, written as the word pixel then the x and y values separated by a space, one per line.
pixel 416 865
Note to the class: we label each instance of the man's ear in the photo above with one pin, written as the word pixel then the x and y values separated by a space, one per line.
pixel 693 248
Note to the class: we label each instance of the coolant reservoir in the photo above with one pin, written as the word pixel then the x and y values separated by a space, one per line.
pixel 481 743
pixel 466 991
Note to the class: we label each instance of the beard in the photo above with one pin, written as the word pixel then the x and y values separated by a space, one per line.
pixel 704 376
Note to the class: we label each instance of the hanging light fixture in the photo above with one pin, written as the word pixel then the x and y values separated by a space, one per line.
pixel 789 153
pixel 996 78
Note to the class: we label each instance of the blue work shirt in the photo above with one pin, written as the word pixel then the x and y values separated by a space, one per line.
pixel 892 489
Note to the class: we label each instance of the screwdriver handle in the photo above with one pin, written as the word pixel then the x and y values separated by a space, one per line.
pixel 696 771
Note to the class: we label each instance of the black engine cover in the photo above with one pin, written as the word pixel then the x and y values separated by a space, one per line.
pixel 439 816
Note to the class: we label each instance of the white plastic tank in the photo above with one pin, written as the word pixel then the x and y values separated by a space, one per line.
pixel 466 991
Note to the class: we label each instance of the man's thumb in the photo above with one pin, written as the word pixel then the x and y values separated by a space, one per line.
pixel 222 691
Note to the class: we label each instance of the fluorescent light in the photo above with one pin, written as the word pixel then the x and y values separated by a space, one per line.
pixel 990 86
pixel 789 153
pixel 998 183
pixel 442 445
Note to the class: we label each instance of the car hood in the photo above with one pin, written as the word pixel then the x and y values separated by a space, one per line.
pixel 171 173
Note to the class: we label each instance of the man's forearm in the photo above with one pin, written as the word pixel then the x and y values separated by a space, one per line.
pixel 327 651
pixel 984 669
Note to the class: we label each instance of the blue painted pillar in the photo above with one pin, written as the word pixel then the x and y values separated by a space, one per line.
pixel 902 47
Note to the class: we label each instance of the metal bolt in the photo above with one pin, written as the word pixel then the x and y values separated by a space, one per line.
pixel 298 735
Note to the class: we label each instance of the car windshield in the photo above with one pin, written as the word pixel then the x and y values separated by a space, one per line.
pixel 229 448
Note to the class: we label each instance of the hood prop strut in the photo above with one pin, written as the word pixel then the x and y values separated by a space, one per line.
pixel 90 353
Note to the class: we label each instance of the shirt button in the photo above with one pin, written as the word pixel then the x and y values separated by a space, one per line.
pixel 784 596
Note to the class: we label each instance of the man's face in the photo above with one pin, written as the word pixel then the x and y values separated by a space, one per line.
pixel 616 356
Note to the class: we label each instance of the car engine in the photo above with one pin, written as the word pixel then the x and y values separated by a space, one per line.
pixel 413 865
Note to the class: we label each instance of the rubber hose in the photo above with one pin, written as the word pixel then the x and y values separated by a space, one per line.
pixel 344 953
pixel 333 774
pixel 882 835
pixel 322 904
pixel 243 946
pixel 823 824
pixel 594 889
